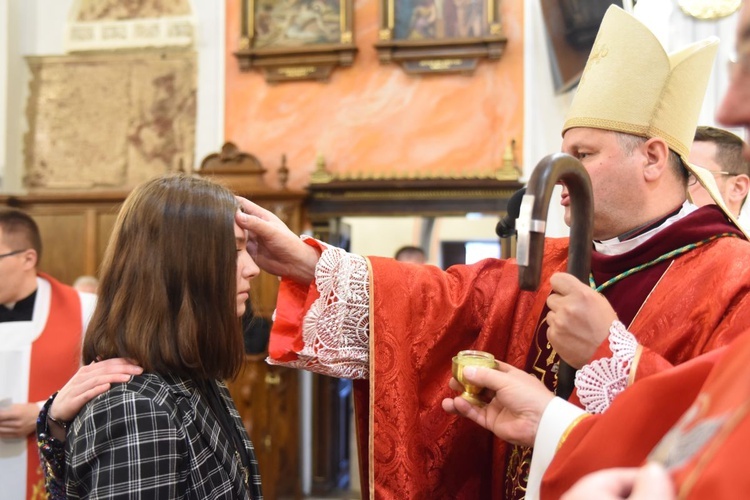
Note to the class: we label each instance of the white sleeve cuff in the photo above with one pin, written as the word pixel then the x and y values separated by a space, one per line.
pixel 557 417
pixel 599 382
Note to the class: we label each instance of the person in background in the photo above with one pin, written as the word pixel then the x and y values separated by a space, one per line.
pixel 173 286
pixel 255 330
pixel 410 254
pixel 88 284
pixel 674 274
pixel 41 325
pixel 720 152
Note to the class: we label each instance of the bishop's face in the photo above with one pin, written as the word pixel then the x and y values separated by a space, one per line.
pixel 616 179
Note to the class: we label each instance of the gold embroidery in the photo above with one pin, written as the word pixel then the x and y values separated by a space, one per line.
pixel 570 428
pixel 517 477
pixel 39 491
pixel 598 52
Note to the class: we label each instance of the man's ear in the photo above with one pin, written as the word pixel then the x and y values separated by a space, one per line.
pixel 656 154
pixel 30 259
pixel 740 187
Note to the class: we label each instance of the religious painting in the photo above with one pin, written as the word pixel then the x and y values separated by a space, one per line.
pixel 291 23
pixel 429 36
pixel 440 19
pixel 296 39
pixel 570 29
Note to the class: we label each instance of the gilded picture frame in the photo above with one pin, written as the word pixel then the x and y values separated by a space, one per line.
pixel 296 39
pixel 428 36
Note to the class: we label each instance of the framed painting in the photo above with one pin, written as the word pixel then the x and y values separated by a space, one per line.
pixel 296 39
pixel 428 36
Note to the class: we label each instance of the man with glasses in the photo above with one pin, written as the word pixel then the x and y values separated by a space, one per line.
pixel 41 325
pixel 720 152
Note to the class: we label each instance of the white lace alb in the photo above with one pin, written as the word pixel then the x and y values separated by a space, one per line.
pixel 599 382
pixel 336 329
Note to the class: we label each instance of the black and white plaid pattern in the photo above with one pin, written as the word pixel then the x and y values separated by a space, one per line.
pixel 155 437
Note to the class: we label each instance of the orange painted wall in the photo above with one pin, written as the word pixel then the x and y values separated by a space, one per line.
pixel 373 118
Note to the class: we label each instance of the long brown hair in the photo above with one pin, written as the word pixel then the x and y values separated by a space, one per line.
pixel 167 296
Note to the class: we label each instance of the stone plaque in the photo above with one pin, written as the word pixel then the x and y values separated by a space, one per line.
pixel 110 120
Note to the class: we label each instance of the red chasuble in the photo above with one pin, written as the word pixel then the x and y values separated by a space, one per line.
pixel 420 317
pixel 694 419
pixel 55 357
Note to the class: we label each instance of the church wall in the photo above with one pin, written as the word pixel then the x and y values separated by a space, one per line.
pixel 375 119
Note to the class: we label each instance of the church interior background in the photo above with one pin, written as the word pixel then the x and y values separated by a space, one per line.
pixel 322 111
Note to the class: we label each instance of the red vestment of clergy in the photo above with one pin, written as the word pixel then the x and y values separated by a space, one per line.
pixel 420 317
pixel 698 413
pixel 55 358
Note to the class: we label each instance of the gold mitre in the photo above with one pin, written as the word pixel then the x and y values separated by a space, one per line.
pixel 630 84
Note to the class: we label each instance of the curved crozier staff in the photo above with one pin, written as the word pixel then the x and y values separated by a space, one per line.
pixel 531 225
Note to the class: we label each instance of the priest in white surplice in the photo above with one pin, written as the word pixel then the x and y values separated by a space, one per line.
pixel 41 326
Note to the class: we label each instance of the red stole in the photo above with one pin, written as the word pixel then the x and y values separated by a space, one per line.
pixel 55 358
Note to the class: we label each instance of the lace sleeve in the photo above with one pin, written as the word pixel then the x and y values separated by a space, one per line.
pixel 599 382
pixel 335 330
pixel 51 454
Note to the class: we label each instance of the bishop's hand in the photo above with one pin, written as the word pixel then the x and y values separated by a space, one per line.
pixel 578 321
pixel 273 246
pixel 516 402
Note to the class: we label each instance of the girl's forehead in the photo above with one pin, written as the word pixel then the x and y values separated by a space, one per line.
pixel 239 233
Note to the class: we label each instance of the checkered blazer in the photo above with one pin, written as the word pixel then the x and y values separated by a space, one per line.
pixel 155 437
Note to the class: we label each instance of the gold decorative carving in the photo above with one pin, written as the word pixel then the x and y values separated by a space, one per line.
pixel 406 175
pixel 440 64
pixel 405 194
pixel 296 72
pixel 109 121
pixel 321 175
pixel 509 171
pixel 709 9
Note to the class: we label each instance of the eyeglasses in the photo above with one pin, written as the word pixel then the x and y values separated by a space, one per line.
pixel 14 252
pixel 692 179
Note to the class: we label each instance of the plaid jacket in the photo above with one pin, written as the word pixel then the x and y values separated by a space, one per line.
pixel 155 437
